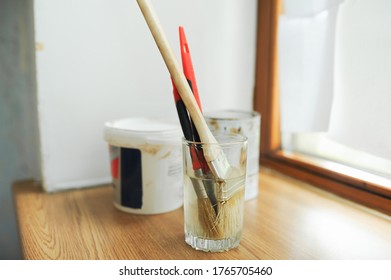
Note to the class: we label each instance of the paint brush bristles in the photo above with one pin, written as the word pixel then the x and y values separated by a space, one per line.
pixel 206 214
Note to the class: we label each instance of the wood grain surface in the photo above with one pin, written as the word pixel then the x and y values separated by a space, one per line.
pixel 288 220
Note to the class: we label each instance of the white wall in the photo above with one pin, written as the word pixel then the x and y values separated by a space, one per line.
pixel 97 61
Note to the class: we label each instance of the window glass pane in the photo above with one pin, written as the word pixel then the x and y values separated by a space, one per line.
pixel 319 145
pixel 334 70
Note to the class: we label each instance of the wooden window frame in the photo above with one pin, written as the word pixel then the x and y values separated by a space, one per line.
pixel 266 101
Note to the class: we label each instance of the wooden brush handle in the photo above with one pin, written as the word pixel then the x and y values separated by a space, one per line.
pixel 178 77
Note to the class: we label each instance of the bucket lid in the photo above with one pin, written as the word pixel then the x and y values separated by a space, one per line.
pixel 231 114
pixel 121 132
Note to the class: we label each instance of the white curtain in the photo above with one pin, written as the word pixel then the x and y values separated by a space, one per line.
pixel 361 112
pixel 306 62
pixel 335 71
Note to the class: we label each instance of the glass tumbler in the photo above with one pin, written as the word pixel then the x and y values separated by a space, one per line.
pixel 214 192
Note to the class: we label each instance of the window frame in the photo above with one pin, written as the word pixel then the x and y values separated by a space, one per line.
pixel 266 102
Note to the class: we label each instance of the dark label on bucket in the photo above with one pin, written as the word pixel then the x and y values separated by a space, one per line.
pixel 131 178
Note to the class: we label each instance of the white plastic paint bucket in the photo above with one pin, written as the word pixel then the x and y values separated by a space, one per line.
pixel 247 123
pixel 146 164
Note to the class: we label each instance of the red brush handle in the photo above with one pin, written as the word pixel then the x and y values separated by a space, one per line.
pixel 188 71
pixel 187 65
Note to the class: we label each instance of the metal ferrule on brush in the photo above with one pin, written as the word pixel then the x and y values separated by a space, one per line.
pixel 197 184
pixel 220 167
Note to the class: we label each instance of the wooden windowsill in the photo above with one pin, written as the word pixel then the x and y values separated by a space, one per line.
pixel 288 220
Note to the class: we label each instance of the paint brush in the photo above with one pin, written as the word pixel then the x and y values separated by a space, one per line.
pixel 206 211
pixel 214 155
pixel 188 71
